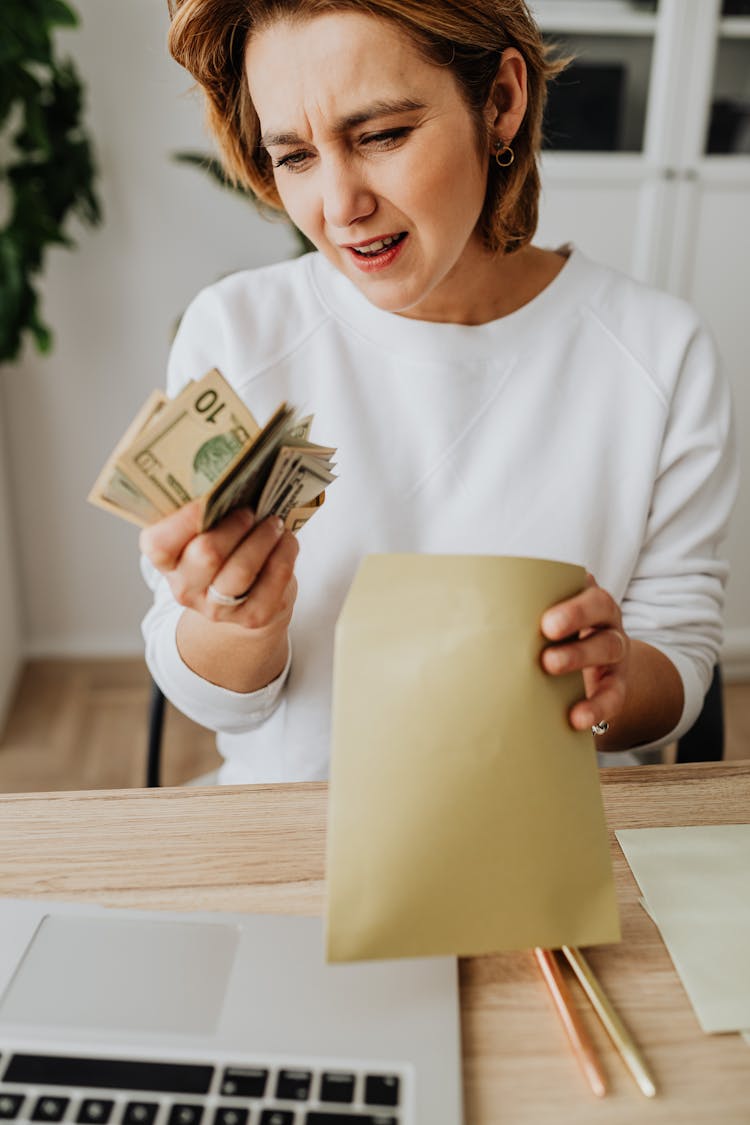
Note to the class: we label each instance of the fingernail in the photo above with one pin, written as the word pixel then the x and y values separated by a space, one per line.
pixel 278 525
pixel 554 624
pixel 556 661
pixel 577 722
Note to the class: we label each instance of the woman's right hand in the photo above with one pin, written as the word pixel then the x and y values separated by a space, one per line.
pixel 237 559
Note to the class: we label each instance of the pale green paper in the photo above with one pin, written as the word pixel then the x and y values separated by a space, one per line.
pixel 465 814
pixel 696 882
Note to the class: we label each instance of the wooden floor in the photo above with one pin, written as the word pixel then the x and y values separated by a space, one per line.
pixel 82 724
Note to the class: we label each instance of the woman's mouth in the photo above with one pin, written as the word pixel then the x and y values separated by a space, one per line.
pixel 378 253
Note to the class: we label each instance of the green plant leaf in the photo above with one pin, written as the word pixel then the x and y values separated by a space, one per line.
pixel 59 13
pixel 48 168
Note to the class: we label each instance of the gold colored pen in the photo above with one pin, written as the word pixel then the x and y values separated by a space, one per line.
pixel 614 1026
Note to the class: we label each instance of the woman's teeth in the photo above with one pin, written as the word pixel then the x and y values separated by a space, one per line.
pixel 378 246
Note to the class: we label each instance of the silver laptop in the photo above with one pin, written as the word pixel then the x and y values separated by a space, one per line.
pixel 129 1017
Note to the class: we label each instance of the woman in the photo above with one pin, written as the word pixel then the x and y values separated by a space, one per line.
pixel 487 396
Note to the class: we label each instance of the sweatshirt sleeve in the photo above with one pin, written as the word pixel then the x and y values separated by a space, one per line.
pixel 675 598
pixel 198 346
pixel 205 703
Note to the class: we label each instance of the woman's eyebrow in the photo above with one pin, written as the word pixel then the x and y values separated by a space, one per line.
pixel 350 121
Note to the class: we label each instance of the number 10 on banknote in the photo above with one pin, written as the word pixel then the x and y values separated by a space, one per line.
pixel 206 443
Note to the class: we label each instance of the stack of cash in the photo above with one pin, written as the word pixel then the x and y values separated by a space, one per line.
pixel 206 443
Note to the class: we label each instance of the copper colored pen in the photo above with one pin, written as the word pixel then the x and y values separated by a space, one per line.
pixel 578 1038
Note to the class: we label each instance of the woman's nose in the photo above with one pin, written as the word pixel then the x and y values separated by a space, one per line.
pixel 347 198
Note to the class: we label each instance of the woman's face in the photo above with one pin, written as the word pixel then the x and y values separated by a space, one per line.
pixel 375 157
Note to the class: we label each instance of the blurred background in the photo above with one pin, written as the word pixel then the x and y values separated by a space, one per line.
pixel 647 168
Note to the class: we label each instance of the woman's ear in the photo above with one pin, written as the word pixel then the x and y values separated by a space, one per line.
pixel 506 106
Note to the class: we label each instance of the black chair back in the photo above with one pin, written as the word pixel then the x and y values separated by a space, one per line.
pixel 704 742
pixel 155 732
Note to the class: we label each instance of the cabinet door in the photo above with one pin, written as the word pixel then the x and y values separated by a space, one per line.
pixel 601 188
pixel 604 208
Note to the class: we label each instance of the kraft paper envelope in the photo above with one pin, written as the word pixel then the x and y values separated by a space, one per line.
pixel 696 882
pixel 465 814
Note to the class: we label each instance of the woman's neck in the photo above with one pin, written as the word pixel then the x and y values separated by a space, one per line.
pixel 490 286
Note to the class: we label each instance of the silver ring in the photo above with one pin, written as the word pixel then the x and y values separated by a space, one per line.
pixel 600 728
pixel 227 599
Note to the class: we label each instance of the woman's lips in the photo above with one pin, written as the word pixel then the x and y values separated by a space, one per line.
pixel 371 263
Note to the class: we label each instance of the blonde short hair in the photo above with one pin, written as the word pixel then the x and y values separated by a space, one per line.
pixel 209 38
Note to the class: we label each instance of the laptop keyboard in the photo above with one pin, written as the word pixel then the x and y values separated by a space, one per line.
pixel 116 1091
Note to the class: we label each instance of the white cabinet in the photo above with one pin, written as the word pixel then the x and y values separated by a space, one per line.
pixel 684 83
pixel 651 174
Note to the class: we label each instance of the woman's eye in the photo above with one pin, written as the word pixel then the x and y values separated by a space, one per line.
pixel 387 139
pixel 292 160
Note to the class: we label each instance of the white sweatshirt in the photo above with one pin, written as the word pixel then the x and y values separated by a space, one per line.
pixel 591 426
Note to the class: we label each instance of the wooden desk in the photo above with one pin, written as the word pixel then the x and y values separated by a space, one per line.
pixel 262 849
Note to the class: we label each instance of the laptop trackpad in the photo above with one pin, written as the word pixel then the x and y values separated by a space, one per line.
pixel 126 974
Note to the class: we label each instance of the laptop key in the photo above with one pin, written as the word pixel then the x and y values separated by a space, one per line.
pixel 50 1109
pixel 293 1085
pixel 112 1074
pixel 277 1117
pixel 10 1104
pixel 140 1113
pixel 228 1115
pixel 322 1117
pixel 381 1089
pixel 244 1082
pixel 335 1087
pixel 95 1111
pixel 184 1114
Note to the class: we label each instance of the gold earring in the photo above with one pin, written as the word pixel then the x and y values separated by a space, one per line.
pixel 507 152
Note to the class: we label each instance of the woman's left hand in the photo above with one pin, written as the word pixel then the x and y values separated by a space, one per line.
pixel 588 636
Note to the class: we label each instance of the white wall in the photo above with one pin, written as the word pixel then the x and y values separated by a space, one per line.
pixel 10 625
pixel 113 303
